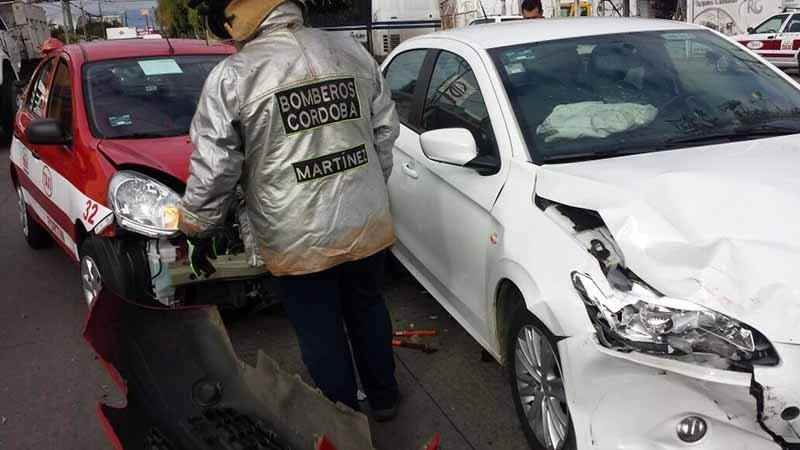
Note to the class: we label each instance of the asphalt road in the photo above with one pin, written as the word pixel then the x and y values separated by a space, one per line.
pixel 50 382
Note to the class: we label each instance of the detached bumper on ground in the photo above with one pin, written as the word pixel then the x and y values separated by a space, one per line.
pixel 631 400
pixel 186 389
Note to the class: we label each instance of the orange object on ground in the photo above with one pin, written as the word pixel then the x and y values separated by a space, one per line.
pixel 407 333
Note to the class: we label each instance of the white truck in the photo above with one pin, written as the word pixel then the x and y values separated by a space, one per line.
pixel 381 25
pixel 23 29
pixel 121 33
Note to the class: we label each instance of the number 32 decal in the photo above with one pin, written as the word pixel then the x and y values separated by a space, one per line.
pixel 90 212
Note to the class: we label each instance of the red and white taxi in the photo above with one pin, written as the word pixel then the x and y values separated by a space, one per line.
pixel 777 39
pixel 100 156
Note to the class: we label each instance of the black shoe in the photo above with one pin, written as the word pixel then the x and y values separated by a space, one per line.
pixel 385 415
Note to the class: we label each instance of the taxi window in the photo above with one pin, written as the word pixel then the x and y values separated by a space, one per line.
pixel 59 106
pixel 771 25
pixel 794 24
pixel 39 89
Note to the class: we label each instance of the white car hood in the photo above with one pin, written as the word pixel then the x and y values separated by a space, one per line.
pixel 718 225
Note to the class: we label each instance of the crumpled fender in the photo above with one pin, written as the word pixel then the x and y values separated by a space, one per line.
pixel 186 389
pixel 717 226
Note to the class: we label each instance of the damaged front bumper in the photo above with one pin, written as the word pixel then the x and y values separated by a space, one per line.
pixel 635 401
pixel 186 389
pixel 170 271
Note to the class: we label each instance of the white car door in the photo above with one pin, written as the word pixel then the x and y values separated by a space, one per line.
pixel 448 229
pixel 402 76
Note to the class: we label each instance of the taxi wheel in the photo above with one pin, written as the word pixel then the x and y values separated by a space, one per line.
pixel 101 267
pixel 35 234
pixel 534 371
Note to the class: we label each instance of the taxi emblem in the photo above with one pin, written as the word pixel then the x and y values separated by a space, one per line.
pixel 47 181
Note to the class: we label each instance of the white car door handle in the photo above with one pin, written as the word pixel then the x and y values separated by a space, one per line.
pixel 408 170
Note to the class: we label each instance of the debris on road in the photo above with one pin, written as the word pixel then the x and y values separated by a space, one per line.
pixel 414 343
pixel 255 404
pixel 409 333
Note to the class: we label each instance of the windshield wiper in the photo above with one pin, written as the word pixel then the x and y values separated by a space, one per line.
pixel 738 134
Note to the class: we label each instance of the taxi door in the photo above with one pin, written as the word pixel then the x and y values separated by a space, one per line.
pixel 47 190
pixel 33 177
pixel 790 36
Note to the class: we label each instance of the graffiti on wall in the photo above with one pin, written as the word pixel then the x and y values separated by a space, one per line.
pixel 731 16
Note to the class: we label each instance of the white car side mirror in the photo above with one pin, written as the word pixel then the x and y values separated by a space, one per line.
pixel 449 145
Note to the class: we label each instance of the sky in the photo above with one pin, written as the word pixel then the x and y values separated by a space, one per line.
pixel 110 7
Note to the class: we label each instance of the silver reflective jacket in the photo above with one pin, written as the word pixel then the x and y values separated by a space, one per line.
pixel 304 121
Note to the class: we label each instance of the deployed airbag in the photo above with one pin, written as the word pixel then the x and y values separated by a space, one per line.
pixel 594 120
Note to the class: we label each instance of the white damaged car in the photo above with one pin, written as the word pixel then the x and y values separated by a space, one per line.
pixel 612 209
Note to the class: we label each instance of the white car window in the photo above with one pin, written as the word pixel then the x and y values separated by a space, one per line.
pixel 641 92
pixel 454 100
pixel 401 76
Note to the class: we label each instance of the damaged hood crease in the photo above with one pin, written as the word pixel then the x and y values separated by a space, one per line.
pixel 719 225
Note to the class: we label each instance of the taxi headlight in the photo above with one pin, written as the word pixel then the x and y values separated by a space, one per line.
pixel 642 320
pixel 143 205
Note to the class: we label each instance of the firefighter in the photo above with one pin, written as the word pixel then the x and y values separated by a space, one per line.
pixel 304 121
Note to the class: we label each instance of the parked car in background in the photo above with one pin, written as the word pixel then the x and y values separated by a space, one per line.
pixel 777 39
pixel 609 207
pixel 99 159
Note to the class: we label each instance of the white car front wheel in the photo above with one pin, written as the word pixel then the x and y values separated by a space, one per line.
pixel 537 385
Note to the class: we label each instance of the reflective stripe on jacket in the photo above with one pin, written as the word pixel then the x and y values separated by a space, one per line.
pixel 305 122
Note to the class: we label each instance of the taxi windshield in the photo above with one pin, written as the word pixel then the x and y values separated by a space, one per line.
pixel 147 97
pixel 601 96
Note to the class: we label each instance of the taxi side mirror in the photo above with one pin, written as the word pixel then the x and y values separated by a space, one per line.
pixel 750 30
pixel 47 132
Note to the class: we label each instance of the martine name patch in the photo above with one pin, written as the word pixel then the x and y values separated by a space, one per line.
pixel 314 105
pixel 311 169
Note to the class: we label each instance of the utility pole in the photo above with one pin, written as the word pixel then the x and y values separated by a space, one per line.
pixel 626 8
pixel 577 8
pixel 67 15
pixel 85 20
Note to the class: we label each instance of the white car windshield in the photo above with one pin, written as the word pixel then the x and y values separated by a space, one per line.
pixel 603 96
pixel 147 97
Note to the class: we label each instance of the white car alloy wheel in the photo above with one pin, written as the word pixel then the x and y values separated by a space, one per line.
pixel 91 281
pixel 23 211
pixel 540 388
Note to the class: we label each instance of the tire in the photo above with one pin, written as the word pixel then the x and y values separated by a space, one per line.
pixel 109 264
pixel 8 106
pixel 551 399
pixel 35 234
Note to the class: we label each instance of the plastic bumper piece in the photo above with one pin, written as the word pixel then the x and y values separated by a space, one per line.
pixel 636 401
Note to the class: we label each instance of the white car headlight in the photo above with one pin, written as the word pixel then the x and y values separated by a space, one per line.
pixel 143 205
pixel 641 319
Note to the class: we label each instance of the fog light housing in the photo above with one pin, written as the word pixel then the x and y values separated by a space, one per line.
pixel 692 429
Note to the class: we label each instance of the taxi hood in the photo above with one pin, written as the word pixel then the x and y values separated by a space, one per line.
pixel 169 155
pixel 718 225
